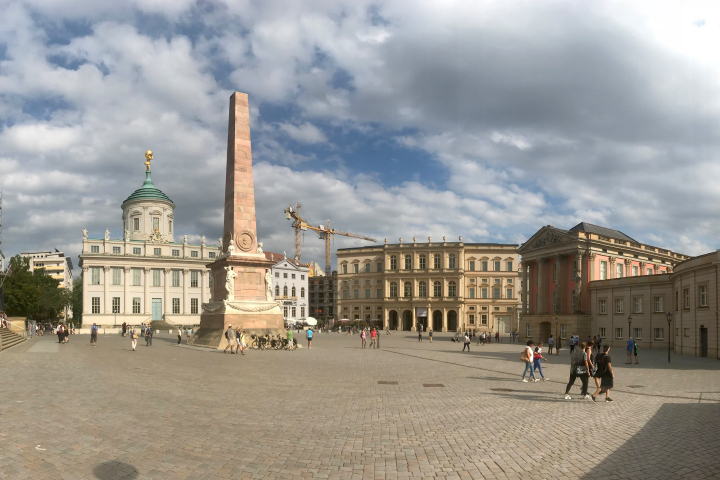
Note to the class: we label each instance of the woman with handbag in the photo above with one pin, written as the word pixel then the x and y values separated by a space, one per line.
pixel 604 373
pixel 579 368
pixel 527 357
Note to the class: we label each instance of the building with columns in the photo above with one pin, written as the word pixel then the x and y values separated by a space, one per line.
pixel 146 275
pixel 445 286
pixel 559 265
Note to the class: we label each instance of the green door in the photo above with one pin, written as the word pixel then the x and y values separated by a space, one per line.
pixel 157 309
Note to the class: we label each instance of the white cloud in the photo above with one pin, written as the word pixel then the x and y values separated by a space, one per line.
pixel 306 132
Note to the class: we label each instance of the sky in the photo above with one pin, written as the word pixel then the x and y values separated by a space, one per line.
pixel 392 119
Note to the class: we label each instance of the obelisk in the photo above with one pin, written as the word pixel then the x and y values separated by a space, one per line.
pixel 241 295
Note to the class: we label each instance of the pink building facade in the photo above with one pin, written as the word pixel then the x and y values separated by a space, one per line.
pixel 558 266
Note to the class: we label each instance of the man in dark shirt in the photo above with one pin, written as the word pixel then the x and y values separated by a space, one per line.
pixel 579 368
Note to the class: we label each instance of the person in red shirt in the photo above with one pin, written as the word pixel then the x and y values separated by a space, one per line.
pixel 373 337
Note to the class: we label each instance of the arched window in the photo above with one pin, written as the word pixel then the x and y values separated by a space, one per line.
pixel 302 292
pixel 393 262
pixel 408 262
pixel 437 289
pixel 437 261
pixel 422 262
pixel 452 289
pixel 572 301
pixel 451 260
pixel 422 289
pixel 285 290
pixel 393 289
pixel 293 291
pixel 277 291
pixel 407 290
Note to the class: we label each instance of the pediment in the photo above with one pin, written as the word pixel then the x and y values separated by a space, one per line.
pixel 156 212
pixel 546 237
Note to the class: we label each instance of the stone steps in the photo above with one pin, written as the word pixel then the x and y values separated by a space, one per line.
pixel 9 339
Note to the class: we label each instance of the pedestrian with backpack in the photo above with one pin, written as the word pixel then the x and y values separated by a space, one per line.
pixel 579 368
pixel 93 334
pixel 230 337
pixel 527 357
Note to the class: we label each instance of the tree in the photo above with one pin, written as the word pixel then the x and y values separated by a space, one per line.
pixel 33 294
pixel 77 301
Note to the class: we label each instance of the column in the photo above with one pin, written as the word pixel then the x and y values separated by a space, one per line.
pixel 167 307
pixel 203 290
pixel 591 267
pixel 628 267
pixel 86 293
pixel 127 308
pixel 560 285
pixel 611 266
pixel 541 290
pixel 525 288
pixel 106 284
pixel 579 292
pixel 643 265
pixel 147 308
pixel 444 325
pixel 186 299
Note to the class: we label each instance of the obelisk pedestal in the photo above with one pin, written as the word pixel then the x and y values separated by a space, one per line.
pixel 241 292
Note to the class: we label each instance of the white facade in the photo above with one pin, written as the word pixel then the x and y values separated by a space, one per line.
pixel 290 286
pixel 146 275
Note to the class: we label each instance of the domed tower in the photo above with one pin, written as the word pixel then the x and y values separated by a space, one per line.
pixel 148 213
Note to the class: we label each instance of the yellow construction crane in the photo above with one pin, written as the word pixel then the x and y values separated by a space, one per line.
pixel 325 233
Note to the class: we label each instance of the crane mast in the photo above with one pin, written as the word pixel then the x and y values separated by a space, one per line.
pixel 324 232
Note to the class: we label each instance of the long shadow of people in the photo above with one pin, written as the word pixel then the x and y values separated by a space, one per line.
pixel 112 470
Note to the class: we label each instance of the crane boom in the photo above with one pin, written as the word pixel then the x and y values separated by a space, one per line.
pixel 325 232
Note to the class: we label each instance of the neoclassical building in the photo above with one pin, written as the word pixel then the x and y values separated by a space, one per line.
pixel 290 286
pixel 559 265
pixel 446 286
pixel 146 275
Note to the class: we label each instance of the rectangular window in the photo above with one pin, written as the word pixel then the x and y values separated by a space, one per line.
pixel 344 269
pixel 302 312
pixel 157 251
pixel 471 319
pixel 508 293
pixel 176 278
pixel 659 304
pixel 483 319
pixel 175 252
pixel 563 331
pixel 285 312
pixel 156 223
pixel 618 333
pixel 379 267
pixel 509 266
pixel 136 305
pixel 170 227
pixel 528 330
pixel 345 294
pixel 472 293
pixel 497 266
pixel 485 266
pixel 602 307
pixel 211 254
pixel 284 275
pixel 649 271
pixel 635 271
pixel 136 275
pixel 471 266
pixel 137 251
pixel 194 279
pixel 686 298
pixel 603 270
pixel 94 248
pixel 156 278
pixel 618 305
pixel 367 268
pixel 194 254
pixel 618 270
pixel 367 293
pixel 356 294
pixel 116 305
pixel 356 267
pixel 292 275
pixel 95 304
pixel 95 275
pixel 703 296
pixel 451 261
pixel 294 310
pixel 602 333
pixel 659 334
pixel 379 293
pixel 175 305
pixel 116 276
pixel 637 305
pixel 637 333
pixel 136 224
pixel 483 293
pixel 496 293
pixel 116 250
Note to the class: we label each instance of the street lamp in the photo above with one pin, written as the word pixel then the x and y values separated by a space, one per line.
pixel 557 339
pixel 669 320
pixel 629 325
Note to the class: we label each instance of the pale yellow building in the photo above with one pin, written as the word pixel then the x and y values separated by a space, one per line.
pixel 443 286
pixel 56 265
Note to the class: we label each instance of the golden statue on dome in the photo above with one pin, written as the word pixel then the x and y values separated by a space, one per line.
pixel 148 157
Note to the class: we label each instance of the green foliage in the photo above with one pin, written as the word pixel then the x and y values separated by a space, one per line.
pixel 33 294
pixel 77 299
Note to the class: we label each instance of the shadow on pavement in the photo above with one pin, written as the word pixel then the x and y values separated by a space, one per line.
pixel 114 470
pixel 679 441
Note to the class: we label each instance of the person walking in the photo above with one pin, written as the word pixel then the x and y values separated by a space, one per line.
pixel 604 373
pixel 291 344
pixel 537 358
pixel 133 338
pixel 497 337
pixel 558 346
pixel 309 337
pixel 149 332
pixel 599 344
pixel 467 343
pixel 373 338
pixel 572 343
pixel 67 334
pixel 430 335
pixel 243 342
pixel 142 329
pixel 527 357
pixel 579 368
pixel 124 328
pixel 363 339
pixel 179 335
pixel 551 344
pixel 629 350
pixel 482 338
pixel 93 334
pixel 230 336
pixel 420 333
pixel 636 349
pixel 60 333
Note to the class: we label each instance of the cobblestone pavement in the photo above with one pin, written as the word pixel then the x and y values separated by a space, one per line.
pixel 170 412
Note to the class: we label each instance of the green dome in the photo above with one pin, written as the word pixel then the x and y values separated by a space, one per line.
pixel 148 191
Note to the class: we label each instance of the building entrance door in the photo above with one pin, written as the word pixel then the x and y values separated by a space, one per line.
pixel 437 321
pixel 452 321
pixel 545 331
pixel 156 309
pixel 393 324
pixel 407 320
pixel 703 342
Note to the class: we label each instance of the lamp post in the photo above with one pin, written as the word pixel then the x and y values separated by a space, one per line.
pixel 557 339
pixel 629 325
pixel 669 320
